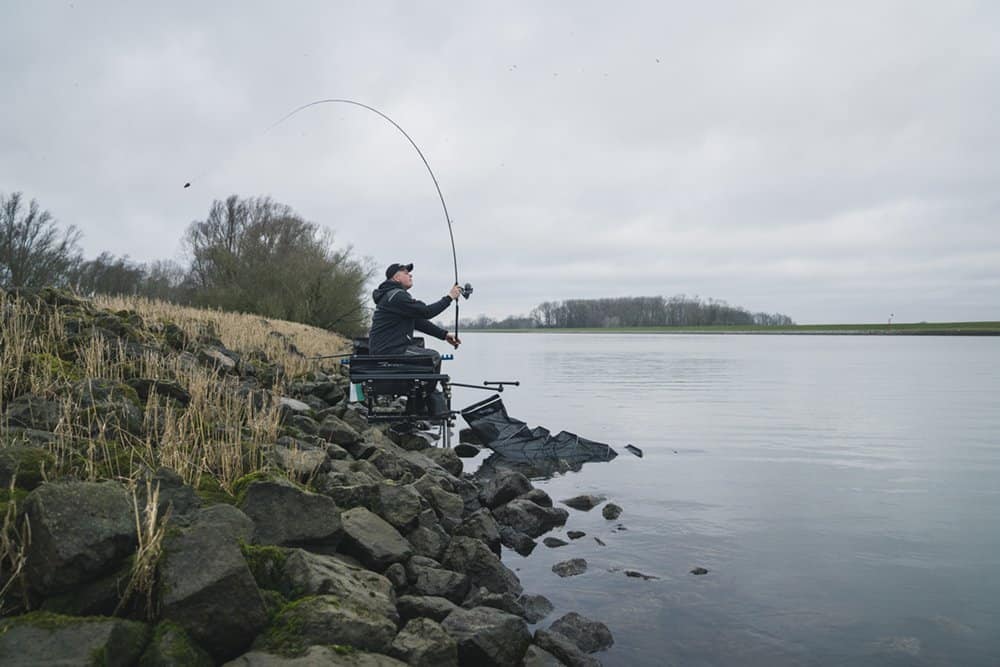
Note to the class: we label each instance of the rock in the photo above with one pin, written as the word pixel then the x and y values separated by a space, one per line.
pixel 304 423
pixel 34 412
pixel 473 558
pixel 536 607
pixel 503 488
pixel 303 463
pixel 394 465
pixel 575 534
pixel 206 586
pixel 350 490
pixel 537 657
pixel 174 495
pixel 215 358
pixel 507 602
pixel 95 598
pixel 373 540
pixel 306 573
pixel 538 497
pixel 529 518
pixel 554 542
pixel 24 465
pixel 639 575
pixel 468 436
pixel 424 643
pixel 172 647
pixel 487 636
pixel 412 441
pixel 448 506
pixel 570 568
pixel 482 526
pixel 339 432
pixel 327 619
pixel 396 574
pixel 590 636
pixel 144 387
pixel 291 406
pixel 398 504
pixel 430 541
pixel 446 458
pixel 317 656
pixel 516 540
pixel 584 503
pixel 40 638
pixel 415 606
pixel 285 514
pixel 564 649
pixel 699 571
pixel 354 418
pixel 80 531
pixel 611 511
pixel 437 582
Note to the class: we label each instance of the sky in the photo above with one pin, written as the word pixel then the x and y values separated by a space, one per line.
pixel 835 162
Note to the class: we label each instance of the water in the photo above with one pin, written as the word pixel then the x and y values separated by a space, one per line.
pixel 842 491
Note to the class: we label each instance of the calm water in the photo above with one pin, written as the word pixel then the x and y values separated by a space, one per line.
pixel 844 493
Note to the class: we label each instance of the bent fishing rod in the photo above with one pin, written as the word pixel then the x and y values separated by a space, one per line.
pixel 466 290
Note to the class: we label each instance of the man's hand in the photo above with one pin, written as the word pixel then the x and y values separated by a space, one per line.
pixel 455 292
pixel 452 340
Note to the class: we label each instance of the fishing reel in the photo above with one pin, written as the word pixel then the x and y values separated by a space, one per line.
pixel 466 290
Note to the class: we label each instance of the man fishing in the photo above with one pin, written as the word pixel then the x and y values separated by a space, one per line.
pixel 397 314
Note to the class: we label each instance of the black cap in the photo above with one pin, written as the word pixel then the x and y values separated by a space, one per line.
pixel 396 267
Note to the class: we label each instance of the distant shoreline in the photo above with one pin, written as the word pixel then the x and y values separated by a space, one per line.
pixel 903 329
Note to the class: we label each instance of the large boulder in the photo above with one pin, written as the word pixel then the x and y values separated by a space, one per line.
pixel 306 573
pixel 317 656
pixel 424 643
pixel 564 649
pixel 339 432
pixel 430 541
pixel 537 657
pixel 448 506
pixel 446 458
pixel 516 540
pixel 473 558
pixel 503 488
pixel 435 581
pixel 482 526
pixel 206 585
pixel 373 540
pixel 590 636
pixel 488 636
pixel 531 519
pixel 285 514
pixel 79 532
pixel 327 619
pixel 417 606
pixel 398 504
pixel 536 607
pixel 41 638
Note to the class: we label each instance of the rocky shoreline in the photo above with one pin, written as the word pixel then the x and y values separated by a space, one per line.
pixel 350 545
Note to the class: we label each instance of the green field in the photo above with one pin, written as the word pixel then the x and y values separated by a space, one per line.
pixel 900 329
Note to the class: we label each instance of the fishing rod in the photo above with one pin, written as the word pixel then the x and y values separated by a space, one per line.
pixel 465 290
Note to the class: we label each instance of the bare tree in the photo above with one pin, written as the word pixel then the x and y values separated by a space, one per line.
pixel 33 250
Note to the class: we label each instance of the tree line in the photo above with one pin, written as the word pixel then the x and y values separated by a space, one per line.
pixel 631 311
pixel 251 254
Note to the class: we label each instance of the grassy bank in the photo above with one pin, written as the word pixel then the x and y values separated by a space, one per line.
pixel 900 329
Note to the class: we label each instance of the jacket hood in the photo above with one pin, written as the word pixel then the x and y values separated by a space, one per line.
pixel 383 289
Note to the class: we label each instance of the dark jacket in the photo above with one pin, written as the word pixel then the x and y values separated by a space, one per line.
pixel 397 314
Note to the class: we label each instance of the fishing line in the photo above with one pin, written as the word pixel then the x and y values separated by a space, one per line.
pixel 467 289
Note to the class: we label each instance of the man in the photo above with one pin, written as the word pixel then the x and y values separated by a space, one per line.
pixel 397 314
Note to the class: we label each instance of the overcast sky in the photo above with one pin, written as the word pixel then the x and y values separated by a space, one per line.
pixel 836 162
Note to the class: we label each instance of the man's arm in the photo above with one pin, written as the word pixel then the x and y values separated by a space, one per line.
pixel 402 303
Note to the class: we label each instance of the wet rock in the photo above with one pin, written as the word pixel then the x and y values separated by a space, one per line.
pixel 433 607
pixel 503 488
pixel 487 636
pixel 564 649
pixel 507 602
pixel 536 607
pixel 339 432
pixel 437 582
pixel 699 571
pixel 172 647
pixel 446 458
pixel 537 657
pixel 570 568
pixel 424 643
pixel 538 497
pixel 327 619
pixel 206 586
pixel 529 518
pixel 575 534
pixel 80 531
pixel 317 656
pixel 306 573
pixel 473 558
pixel 590 636
pixel 639 575
pixel 285 514
pixel 553 542
pixel 611 511
pixel 47 639
pixel 584 503
pixel 373 540
pixel 516 540
pixel 482 526
pixel 448 506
